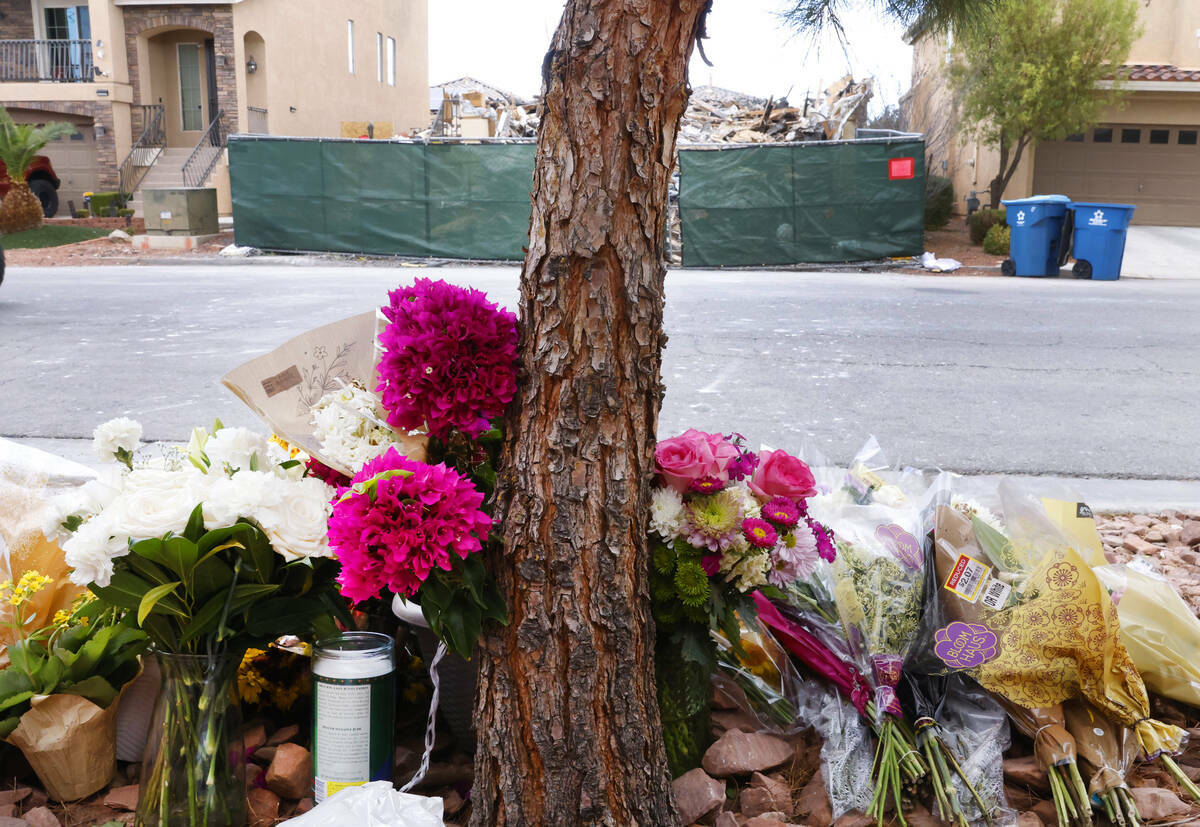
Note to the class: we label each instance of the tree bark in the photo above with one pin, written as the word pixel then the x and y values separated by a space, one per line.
pixel 568 725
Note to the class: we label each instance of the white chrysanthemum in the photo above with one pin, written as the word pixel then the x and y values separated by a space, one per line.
pixel 83 502
pixel 90 551
pixel 970 508
pixel 120 434
pixel 235 449
pixel 666 512
pixel 348 423
pixel 751 507
pixel 244 494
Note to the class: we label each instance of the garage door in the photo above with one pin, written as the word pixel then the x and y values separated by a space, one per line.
pixel 74 157
pixel 1155 167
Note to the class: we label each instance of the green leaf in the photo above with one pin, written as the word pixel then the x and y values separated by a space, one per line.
pixel 180 555
pixel 142 567
pixel 462 623
pixel 259 559
pixel 152 597
pixel 283 616
pixel 289 464
pixel 162 632
pixel 474 576
pixel 494 606
pixel 338 608
pixel 219 536
pixel 50 674
pixel 297 578
pixel 485 475
pixel 96 689
pixel 72 638
pixel 125 590
pixel 150 549
pixel 212 575
pixel 19 698
pixel 195 524
pixel 205 620
pixel 23 659
pixel 996 546
pixel 85 660
pixel 8 725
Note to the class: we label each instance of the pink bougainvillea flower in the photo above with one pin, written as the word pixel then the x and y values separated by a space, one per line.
pixel 449 359
pixel 390 530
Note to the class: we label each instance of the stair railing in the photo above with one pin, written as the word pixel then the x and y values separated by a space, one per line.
pixel 208 150
pixel 145 149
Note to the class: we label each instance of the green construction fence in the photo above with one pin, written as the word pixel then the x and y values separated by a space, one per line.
pixel 812 202
pixel 468 201
pixel 743 206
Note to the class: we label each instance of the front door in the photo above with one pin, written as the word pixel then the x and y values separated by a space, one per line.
pixel 191 88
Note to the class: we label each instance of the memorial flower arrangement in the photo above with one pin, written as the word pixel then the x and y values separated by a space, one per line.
pixel 724 522
pixel 415 525
pixel 209 551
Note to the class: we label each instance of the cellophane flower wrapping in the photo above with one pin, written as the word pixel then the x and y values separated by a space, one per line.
pixel 1030 621
pixel 763 674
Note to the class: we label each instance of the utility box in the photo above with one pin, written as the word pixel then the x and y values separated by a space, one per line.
pixel 183 211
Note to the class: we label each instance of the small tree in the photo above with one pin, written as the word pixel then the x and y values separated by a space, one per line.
pixel 1031 70
pixel 19 145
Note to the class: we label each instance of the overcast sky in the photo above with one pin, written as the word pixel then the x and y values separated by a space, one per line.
pixel 503 43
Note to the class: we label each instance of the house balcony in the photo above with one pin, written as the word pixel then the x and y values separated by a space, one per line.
pixel 46 61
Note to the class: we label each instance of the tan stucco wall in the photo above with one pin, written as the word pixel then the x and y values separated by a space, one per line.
pixel 1169 33
pixel 305 65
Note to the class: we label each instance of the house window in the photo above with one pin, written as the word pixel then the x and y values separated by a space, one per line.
pixel 1102 135
pixel 1187 137
pixel 391 61
pixel 67 60
pixel 350 45
pixel 1131 136
pixel 379 56
pixel 1160 136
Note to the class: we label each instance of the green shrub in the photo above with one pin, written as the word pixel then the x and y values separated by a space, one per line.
pixel 939 201
pixel 982 220
pixel 101 201
pixel 124 211
pixel 82 214
pixel 996 241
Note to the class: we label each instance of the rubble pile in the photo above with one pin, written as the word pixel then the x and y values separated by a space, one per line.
pixel 717 115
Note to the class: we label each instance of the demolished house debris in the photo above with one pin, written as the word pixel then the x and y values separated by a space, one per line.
pixel 470 108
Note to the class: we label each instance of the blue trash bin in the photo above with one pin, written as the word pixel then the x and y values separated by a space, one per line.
pixel 1099 242
pixel 1036 235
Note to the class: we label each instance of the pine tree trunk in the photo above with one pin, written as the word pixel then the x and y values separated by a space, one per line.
pixel 568 726
pixel 20 210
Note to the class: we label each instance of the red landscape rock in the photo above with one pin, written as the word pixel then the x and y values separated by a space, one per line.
pixel 1158 804
pixel 253 737
pixel 12 796
pixel 1029 820
pixel 766 795
pixel 122 798
pixel 697 794
pixel 741 753
pixel 290 774
pixel 41 817
pixel 1026 772
pixel 813 806
pixel 283 734
pixel 262 807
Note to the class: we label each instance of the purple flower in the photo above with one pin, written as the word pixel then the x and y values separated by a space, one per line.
pixel 711 563
pixel 706 485
pixel 760 533
pixel 781 511
pixel 825 539
pixel 449 359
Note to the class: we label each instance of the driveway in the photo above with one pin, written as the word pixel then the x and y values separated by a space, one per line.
pixel 1162 253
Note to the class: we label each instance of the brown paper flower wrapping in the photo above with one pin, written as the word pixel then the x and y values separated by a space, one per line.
pixel 1109 750
pixel 70 743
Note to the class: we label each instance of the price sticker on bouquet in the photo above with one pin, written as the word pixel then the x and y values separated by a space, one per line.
pixel 995 594
pixel 967 578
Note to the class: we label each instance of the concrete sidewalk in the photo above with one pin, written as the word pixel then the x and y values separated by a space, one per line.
pixel 1162 253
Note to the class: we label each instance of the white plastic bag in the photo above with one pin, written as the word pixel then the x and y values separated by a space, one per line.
pixel 376 804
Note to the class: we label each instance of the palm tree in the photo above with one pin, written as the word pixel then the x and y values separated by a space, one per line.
pixel 19 145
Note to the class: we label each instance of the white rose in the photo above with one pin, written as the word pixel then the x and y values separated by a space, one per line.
pixel 156 502
pixel 234 447
pixel 115 435
pixel 298 524
pixel 245 494
pixel 90 550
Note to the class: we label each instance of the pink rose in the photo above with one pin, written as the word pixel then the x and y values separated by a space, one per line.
pixel 780 474
pixel 693 455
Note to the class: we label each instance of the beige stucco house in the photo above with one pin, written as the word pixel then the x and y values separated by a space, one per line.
pixel 1145 153
pixel 156 87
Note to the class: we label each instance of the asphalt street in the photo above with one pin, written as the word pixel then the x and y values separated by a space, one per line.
pixel 978 375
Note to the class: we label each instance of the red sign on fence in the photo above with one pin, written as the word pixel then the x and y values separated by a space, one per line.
pixel 901 168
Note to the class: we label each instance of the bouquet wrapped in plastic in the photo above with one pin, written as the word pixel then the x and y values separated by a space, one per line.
pixel 879 594
pixel 762 672
pixel 1108 752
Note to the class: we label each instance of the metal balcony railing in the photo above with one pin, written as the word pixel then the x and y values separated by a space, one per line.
pixel 62 61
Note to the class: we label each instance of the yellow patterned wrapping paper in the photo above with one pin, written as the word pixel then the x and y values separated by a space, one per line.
pixel 1061 639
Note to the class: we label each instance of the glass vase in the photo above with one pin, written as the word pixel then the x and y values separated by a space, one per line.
pixel 684 698
pixel 194 765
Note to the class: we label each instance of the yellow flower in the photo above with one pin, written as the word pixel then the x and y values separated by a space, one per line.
pixel 250 685
pixel 61 617
pixel 414 692
pixel 6 586
pixel 285 445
